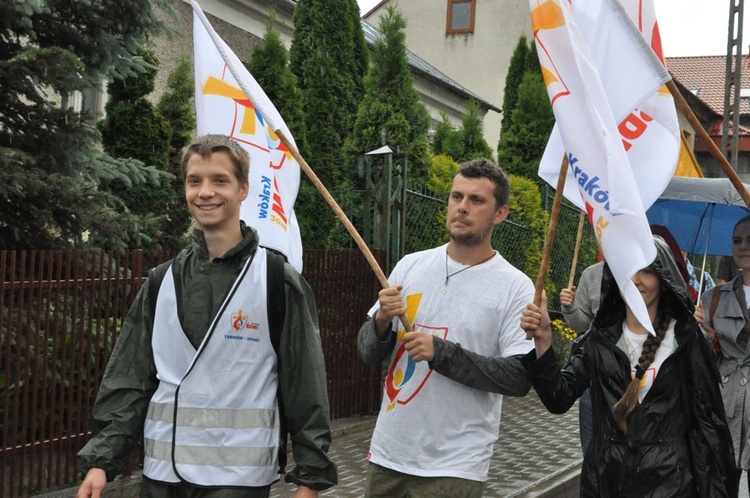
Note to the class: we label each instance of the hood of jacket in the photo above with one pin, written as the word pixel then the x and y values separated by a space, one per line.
pixel 612 307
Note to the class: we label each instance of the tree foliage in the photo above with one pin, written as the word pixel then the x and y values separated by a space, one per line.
pixel 51 167
pixel 176 107
pixel 447 140
pixel 526 209
pixel 465 143
pixel 269 66
pixel 328 60
pixel 444 168
pixel 518 64
pixel 391 108
pixel 134 129
pixel 471 135
pixel 329 57
pixel 522 144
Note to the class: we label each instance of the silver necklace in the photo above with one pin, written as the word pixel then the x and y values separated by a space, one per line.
pixel 444 290
pixel 631 349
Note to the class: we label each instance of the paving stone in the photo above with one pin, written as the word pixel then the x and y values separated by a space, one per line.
pixel 534 446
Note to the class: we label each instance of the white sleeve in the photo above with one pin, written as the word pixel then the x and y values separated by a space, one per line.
pixel 512 338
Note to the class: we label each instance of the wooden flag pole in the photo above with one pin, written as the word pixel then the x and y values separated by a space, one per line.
pixel 241 80
pixel 341 216
pixel 579 235
pixel 554 216
pixel 688 113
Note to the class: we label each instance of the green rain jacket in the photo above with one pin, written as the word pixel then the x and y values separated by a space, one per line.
pixel 201 286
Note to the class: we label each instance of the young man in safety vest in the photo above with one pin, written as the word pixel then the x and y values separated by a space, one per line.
pixel 198 372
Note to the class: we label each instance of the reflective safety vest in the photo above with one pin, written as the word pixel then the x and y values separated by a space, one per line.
pixel 214 419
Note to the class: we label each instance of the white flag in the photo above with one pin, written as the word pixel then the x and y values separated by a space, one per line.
pixel 603 178
pixel 648 124
pixel 229 101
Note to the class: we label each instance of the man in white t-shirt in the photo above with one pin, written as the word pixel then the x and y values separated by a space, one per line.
pixel 443 393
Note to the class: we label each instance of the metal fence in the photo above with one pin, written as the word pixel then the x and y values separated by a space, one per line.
pixel 519 244
pixel 61 311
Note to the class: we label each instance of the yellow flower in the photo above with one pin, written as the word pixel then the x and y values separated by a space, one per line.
pixel 564 331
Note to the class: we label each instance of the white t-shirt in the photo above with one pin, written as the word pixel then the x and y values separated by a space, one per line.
pixel 634 347
pixel 430 425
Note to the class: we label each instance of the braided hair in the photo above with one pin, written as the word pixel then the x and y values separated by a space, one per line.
pixel 629 400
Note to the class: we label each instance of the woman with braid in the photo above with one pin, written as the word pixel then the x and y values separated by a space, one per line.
pixel 659 423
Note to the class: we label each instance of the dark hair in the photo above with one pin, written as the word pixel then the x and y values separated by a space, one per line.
pixel 484 168
pixel 744 220
pixel 210 144
pixel 664 314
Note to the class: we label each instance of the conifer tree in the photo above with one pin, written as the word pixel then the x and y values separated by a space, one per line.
pixel 519 61
pixel 464 143
pixel 471 135
pixel 526 210
pixel 447 140
pixel 522 143
pixel 329 57
pixel 134 129
pixel 444 168
pixel 269 66
pixel 51 167
pixel 391 105
pixel 176 107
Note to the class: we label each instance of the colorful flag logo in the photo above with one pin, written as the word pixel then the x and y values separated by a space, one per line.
pixel 600 174
pixel 647 123
pixel 229 101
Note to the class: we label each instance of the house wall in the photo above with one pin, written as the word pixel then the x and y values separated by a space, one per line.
pixel 240 23
pixel 714 170
pixel 478 61
pixel 437 99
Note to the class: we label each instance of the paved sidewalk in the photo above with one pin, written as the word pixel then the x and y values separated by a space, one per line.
pixel 538 454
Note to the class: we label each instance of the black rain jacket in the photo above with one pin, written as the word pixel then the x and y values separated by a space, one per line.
pixel 678 443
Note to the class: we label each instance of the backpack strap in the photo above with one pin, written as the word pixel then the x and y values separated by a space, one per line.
pixel 276 296
pixel 276 292
pixel 155 277
pixel 276 302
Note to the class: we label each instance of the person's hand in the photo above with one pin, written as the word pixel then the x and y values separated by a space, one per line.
pixel 391 306
pixel 700 317
pixel 537 324
pixel 419 345
pixel 93 484
pixel 305 492
pixel 567 296
pixel 698 314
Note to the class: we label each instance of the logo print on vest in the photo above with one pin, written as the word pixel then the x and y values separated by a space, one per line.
pixel 240 322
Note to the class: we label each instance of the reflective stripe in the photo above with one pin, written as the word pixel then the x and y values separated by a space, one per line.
pixel 248 418
pixel 206 455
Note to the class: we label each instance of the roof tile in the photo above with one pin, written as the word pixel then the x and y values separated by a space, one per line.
pixel 705 76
